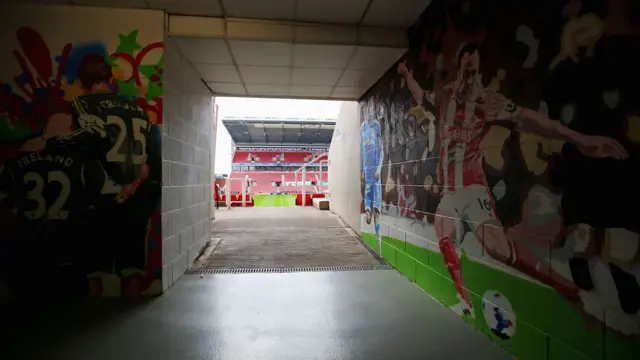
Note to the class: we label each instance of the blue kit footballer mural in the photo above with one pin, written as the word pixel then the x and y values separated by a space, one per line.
pixel 80 167
pixel 499 161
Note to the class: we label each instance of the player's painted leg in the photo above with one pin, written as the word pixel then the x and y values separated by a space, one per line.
pixel 377 196
pixel 451 260
pixel 446 231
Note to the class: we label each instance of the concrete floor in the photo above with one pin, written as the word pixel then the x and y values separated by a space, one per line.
pixel 364 315
pixel 289 237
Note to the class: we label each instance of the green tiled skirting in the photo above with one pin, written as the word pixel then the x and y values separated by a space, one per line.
pixel 547 326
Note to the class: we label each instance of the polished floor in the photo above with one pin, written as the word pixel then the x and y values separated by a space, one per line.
pixel 289 237
pixel 367 315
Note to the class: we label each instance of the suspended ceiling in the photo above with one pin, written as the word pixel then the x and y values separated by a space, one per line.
pixel 324 49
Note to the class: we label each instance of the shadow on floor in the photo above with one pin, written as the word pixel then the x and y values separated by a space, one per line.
pixel 36 328
pixel 356 315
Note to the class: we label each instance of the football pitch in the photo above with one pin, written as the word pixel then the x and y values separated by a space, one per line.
pixel 274 200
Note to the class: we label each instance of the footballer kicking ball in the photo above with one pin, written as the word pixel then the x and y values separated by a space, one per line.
pixel 499 315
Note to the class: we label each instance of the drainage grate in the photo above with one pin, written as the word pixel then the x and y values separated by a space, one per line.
pixel 289 270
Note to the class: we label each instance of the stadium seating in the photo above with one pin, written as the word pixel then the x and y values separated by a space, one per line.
pixel 262 181
pixel 292 157
pixel 236 200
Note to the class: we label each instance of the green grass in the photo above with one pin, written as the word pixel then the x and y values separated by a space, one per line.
pixel 274 200
pixel 547 326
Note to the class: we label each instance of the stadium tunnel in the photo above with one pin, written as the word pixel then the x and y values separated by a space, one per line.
pixel 111 216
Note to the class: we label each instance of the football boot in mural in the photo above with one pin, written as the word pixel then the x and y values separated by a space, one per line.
pixel 465 108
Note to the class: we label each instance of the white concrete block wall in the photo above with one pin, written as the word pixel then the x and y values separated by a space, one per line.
pixel 186 166
pixel 344 165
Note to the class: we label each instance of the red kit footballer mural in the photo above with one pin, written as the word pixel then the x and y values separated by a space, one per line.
pixel 500 159
pixel 80 166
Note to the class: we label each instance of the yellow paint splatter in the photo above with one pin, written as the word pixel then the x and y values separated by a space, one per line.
pixel 125 69
pixel 71 91
pixel 529 145
pixel 633 128
pixel 495 82
pixel 418 112
pixel 117 73
pixel 153 117
pixel 556 146
pixel 580 32
pixel 492 146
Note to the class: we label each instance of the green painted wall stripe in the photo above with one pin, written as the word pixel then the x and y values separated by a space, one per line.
pixel 538 333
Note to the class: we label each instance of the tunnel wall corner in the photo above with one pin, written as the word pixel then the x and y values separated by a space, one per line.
pixel 344 168
pixel 187 141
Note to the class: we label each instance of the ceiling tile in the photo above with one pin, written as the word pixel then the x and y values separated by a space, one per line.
pixel 113 3
pixel 315 76
pixel 227 89
pixel 322 56
pixel 375 58
pixel 350 92
pixel 261 53
pixel 200 50
pixel 394 13
pixel 323 91
pixel 265 74
pixel 260 9
pixel 359 78
pixel 187 7
pixel 217 73
pixel 262 89
pixel 331 11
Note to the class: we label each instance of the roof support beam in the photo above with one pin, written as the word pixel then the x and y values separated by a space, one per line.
pixel 266 136
pixel 285 31
pixel 246 128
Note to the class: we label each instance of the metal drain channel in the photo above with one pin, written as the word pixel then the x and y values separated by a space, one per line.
pixel 289 270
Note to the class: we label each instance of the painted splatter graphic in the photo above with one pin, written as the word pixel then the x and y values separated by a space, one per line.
pixel 47 83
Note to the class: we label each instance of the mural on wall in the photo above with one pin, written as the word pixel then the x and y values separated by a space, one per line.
pixel 503 148
pixel 81 167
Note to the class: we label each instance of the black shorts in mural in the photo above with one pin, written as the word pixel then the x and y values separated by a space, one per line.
pixel 122 233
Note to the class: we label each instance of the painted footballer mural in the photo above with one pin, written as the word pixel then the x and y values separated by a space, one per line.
pixel 80 170
pixel 498 162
